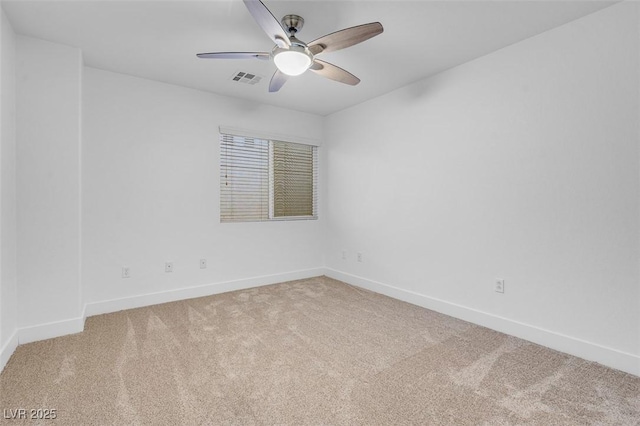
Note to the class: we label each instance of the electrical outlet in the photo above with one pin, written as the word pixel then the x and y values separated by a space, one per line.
pixel 344 255
pixel 499 288
pixel 203 263
pixel 168 267
pixel 125 272
pixel 359 257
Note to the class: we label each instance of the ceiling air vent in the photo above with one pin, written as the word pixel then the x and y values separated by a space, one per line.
pixel 246 77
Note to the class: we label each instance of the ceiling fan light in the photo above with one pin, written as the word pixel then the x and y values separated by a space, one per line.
pixel 292 62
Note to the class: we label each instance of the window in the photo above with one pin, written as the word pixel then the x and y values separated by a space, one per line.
pixel 264 179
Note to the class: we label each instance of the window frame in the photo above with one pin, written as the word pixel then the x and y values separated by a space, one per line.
pixel 224 132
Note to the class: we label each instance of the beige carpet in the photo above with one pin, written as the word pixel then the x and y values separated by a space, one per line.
pixel 313 351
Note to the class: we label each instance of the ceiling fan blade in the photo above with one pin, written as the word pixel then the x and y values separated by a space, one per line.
pixel 267 22
pixel 277 81
pixel 345 38
pixel 235 55
pixel 333 72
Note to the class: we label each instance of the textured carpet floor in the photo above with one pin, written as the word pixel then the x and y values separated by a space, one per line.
pixel 313 351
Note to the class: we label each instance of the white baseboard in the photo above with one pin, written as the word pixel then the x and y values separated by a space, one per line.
pixel 7 350
pixel 623 361
pixel 76 325
pixel 50 330
pixel 115 305
pixel 610 357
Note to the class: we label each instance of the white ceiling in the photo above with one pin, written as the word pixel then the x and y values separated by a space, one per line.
pixel 158 40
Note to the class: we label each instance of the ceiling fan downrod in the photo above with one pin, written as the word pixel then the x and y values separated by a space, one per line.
pixel 293 23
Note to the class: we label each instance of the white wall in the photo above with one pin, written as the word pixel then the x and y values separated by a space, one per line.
pixel 8 284
pixel 48 183
pixel 521 165
pixel 150 193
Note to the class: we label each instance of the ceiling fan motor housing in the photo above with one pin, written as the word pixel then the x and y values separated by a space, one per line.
pixel 296 58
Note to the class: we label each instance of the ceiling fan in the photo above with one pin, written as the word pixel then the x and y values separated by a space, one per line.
pixel 292 56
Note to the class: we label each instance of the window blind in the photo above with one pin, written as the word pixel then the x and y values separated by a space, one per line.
pixel 244 179
pixel 267 180
pixel 293 179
